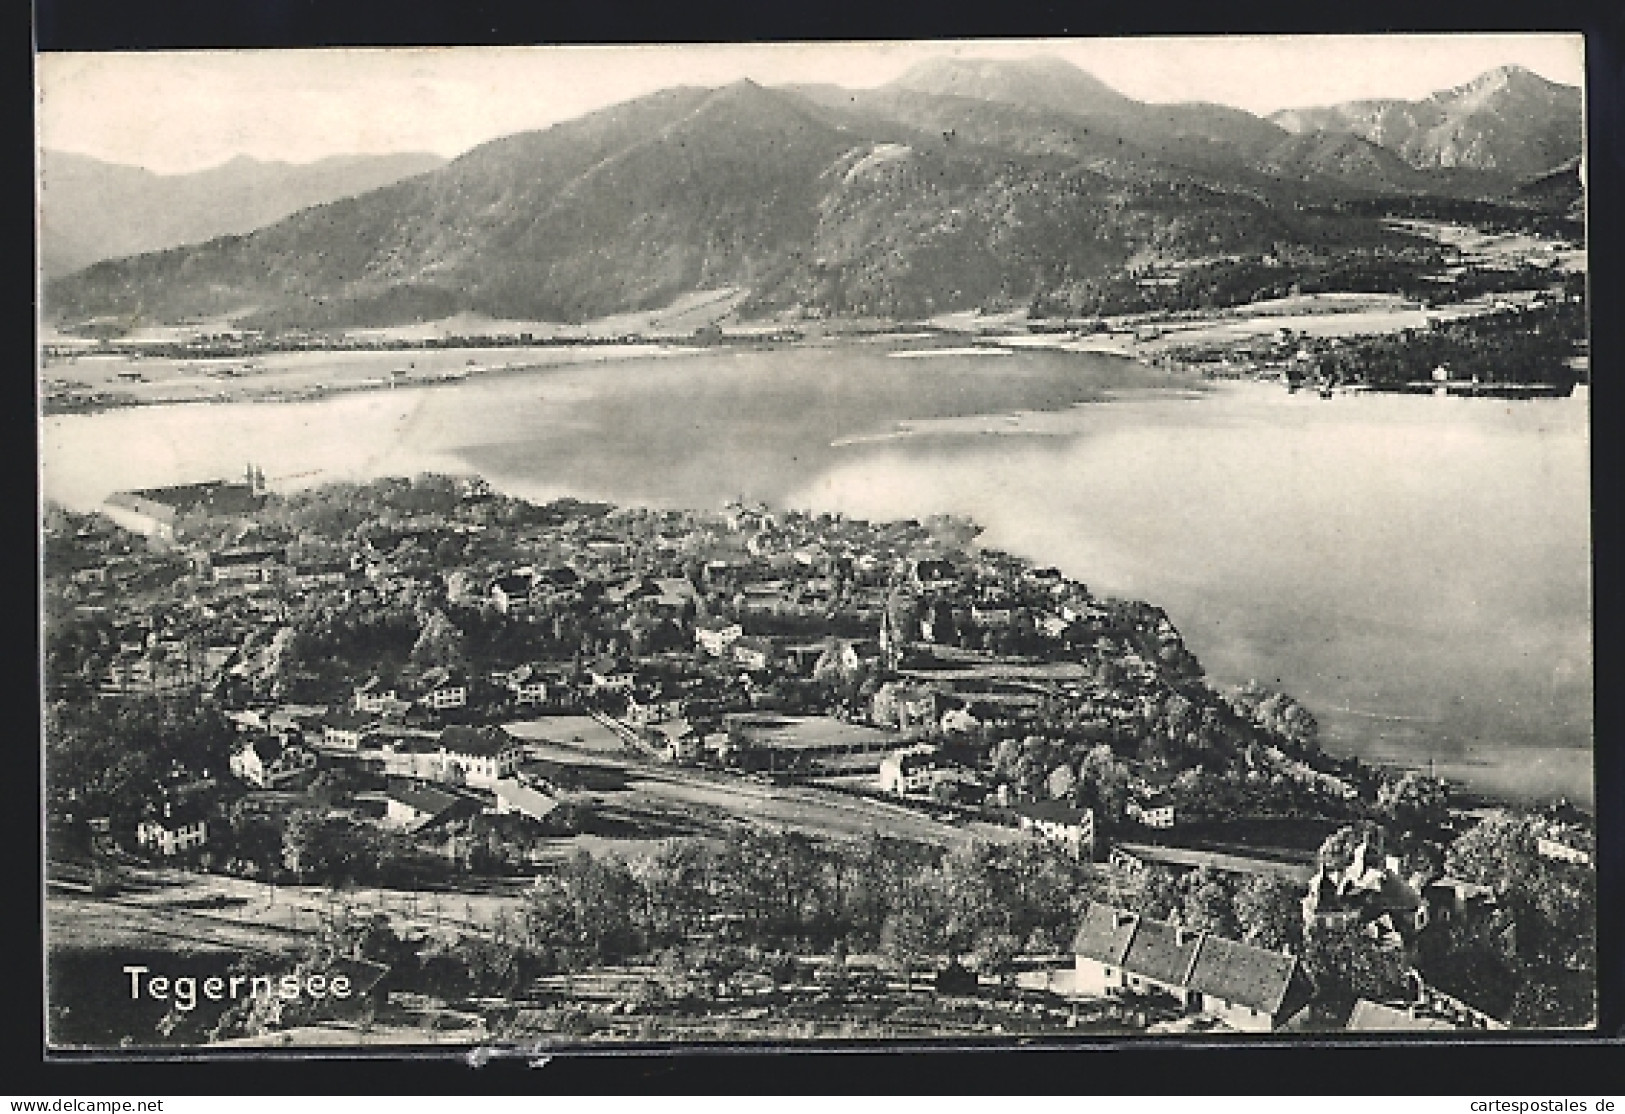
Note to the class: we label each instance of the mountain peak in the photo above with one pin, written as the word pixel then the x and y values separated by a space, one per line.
pixel 1508 78
pixel 744 102
pixel 1042 81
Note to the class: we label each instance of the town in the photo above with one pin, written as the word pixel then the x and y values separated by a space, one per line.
pixel 746 772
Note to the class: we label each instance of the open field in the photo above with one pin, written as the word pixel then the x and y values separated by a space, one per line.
pixel 1498 249
pixel 569 732
pixel 655 801
pixel 1216 860
pixel 280 376
pixel 211 912
pixel 813 810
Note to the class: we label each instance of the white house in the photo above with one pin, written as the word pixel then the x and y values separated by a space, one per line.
pixel 910 771
pixel 527 686
pixel 269 761
pixel 440 689
pixel 513 795
pixel 754 654
pixel 715 637
pixel 475 755
pixel 179 828
pixel 1251 989
pixel 412 808
pixel 1157 812
pixel 1060 823
pixel 374 696
pixel 344 730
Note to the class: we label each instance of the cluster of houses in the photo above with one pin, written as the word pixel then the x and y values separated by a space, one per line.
pixel 930 649
pixel 1248 988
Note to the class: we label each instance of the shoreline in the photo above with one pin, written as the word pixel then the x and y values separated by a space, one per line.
pixel 120 379
pixel 1028 422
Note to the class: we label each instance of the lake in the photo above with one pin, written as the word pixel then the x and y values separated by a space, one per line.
pixel 1415 569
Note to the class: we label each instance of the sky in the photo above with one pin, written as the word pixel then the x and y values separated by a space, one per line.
pixel 173 112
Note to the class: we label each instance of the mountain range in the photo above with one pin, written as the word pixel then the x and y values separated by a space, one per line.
pixel 1508 120
pixel 93 210
pixel 962 183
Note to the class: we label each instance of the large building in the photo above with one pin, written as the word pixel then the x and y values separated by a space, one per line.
pixel 478 756
pixel 1061 824
pixel 153 511
pixel 1248 988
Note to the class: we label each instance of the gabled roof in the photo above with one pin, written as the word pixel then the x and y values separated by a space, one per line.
pixel 523 798
pixel 1105 934
pixel 1162 951
pixel 348 719
pixel 1212 965
pixel 1057 811
pixel 425 799
pixel 1241 973
pixel 481 742
pixel 267 747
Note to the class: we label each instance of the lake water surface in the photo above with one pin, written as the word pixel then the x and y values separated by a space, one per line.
pixel 1415 569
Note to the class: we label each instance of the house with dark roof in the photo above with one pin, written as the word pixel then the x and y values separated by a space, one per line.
pixel 1248 988
pixel 483 755
pixel 344 728
pixel 458 755
pixel 269 761
pixel 153 511
pixel 412 808
pixel 1060 823
pixel 528 685
pixel 245 564
pixel 511 593
pixel 513 795
pixel 1369 894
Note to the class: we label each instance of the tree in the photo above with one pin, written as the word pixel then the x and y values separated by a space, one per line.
pixel 1207 903
pixel 1062 782
pixel 1498 852
pixel 996 953
pixel 1105 782
pixel 584 911
pixel 1346 964
pixel 304 850
pixel 913 931
pixel 439 642
pixel 1337 850
pixel 1415 801
pixel 1553 909
pixel 1158 892
pixel 1269 911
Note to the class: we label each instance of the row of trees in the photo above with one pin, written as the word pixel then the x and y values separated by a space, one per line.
pixel 1517 346
pixel 111 756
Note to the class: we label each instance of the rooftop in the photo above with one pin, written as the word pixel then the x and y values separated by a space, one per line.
pixel 481 742
pixel 1193 959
